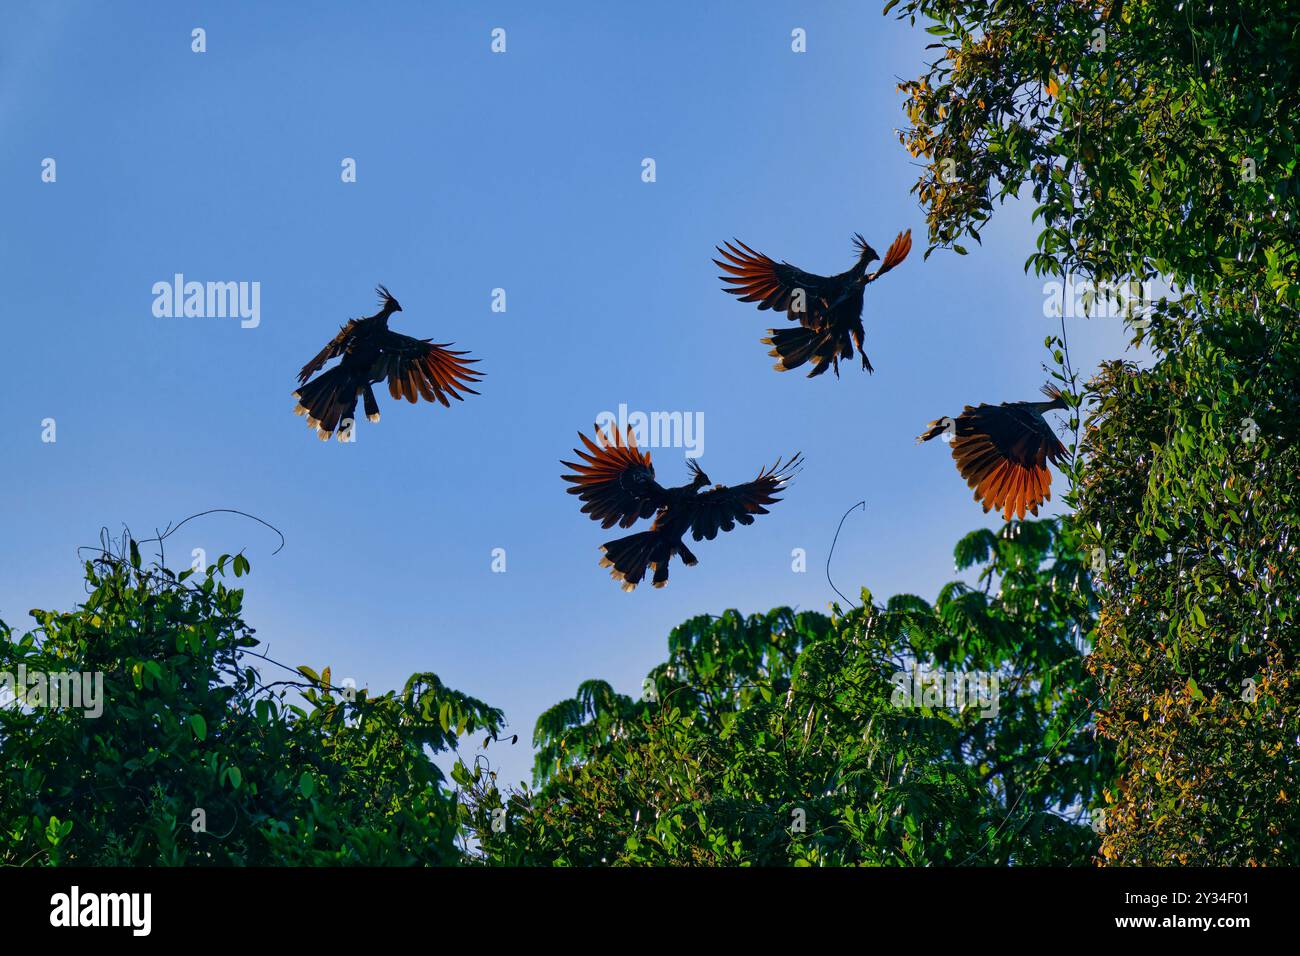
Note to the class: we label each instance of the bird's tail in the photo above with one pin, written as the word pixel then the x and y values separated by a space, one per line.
pixel 627 558
pixel 329 400
pixel 372 406
pixel 797 345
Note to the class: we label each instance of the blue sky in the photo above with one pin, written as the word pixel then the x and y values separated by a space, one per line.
pixel 477 171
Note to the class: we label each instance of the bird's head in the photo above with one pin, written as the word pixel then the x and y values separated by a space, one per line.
pixel 1057 398
pixel 699 478
pixel 866 255
pixel 386 299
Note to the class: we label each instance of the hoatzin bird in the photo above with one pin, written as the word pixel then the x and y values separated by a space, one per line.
pixel 827 308
pixel 1002 451
pixel 617 483
pixel 371 351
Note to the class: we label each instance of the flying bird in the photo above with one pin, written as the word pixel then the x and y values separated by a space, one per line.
pixel 372 352
pixel 827 308
pixel 1002 451
pixel 616 482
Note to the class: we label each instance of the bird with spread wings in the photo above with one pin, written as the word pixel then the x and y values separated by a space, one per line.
pixel 1002 451
pixel 372 352
pixel 828 309
pixel 616 483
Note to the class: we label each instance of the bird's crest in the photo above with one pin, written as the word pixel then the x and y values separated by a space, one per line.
pixel 1052 392
pixel 863 247
pixel 696 471
pixel 385 296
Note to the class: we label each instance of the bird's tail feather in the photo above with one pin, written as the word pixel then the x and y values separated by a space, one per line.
pixel 328 400
pixel 627 558
pixel 798 345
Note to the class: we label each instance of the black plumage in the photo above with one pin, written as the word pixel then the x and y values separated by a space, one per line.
pixel 828 309
pixel 1002 451
pixel 372 352
pixel 616 482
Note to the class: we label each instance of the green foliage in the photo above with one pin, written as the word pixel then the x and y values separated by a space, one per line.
pixel 187 724
pixel 1197 648
pixel 769 740
pixel 757 724
pixel 1159 143
pixel 1130 122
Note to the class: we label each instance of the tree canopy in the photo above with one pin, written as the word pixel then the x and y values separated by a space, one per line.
pixel 776 738
pixel 795 738
pixel 1158 144
pixel 197 759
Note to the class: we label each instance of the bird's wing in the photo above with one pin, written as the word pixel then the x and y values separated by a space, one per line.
pixel 420 368
pixel 774 285
pixel 896 253
pixel 615 480
pixel 721 507
pixel 1002 451
pixel 336 347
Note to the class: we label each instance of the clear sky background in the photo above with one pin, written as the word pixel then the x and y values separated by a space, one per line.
pixel 476 171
